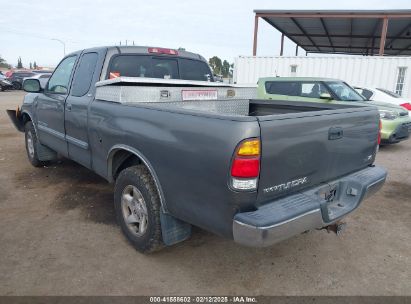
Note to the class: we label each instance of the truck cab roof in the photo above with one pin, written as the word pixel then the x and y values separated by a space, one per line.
pixel 145 50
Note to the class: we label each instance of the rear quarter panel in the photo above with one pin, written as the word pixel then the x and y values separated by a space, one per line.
pixel 190 154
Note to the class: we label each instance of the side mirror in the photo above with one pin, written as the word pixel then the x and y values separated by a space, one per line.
pixel 32 86
pixel 326 96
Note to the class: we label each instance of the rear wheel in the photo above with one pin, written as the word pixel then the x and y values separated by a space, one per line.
pixel 31 145
pixel 16 85
pixel 138 208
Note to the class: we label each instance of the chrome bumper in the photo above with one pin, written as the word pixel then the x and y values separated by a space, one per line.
pixel 294 214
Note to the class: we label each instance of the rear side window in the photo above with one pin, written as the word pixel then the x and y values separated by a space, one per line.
pixel 194 70
pixel 84 74
pixel 283 88
pixel 366 93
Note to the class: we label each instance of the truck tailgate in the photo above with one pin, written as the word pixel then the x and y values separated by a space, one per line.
pixel 306 149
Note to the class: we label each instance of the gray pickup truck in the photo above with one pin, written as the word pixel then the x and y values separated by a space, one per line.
pixel 183 150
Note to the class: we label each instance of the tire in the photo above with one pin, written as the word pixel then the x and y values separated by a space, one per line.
pixel 16 85
pixel 31 145
pixel 137 206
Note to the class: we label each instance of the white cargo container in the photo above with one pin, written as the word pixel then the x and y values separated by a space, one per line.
pixel 391 73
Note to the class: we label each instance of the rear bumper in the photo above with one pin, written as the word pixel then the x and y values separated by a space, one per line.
pixel 292 215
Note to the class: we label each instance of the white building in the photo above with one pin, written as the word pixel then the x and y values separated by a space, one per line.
pixel 391 73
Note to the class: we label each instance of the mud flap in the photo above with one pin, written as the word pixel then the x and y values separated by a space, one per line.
pixel 16 120
pixel 173 230
pixel 44 153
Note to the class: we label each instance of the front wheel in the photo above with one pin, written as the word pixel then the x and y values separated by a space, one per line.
pixel 31 145
pixel 137 205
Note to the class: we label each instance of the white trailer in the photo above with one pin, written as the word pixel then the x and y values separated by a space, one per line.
pixel 391 73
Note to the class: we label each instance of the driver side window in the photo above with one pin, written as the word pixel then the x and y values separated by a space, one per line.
pixel 59 81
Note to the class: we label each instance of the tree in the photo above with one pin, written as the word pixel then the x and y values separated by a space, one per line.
pixel 216 65
pixel 4 64
pixel 226 69
pixel 19 63
pixel 31 66
pixel 35 65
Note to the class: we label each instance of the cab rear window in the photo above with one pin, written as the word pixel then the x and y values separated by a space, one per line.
pixel 158 67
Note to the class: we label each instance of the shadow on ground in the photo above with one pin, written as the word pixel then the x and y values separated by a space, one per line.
pixel 80 189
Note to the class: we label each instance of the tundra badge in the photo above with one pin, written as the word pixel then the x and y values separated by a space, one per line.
pixel 287 185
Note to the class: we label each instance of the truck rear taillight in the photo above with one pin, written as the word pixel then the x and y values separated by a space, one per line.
pixel 379 132
pixel 245 167
pixel 406 105
pixel 162 51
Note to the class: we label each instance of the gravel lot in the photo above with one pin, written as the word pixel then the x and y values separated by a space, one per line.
pixel 58 236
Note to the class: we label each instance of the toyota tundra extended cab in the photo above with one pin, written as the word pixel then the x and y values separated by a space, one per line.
pixel 183 150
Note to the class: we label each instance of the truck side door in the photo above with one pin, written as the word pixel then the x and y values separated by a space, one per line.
pixel 50 106
pixel 76 109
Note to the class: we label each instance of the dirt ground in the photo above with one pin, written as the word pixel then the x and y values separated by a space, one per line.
pixel 58 236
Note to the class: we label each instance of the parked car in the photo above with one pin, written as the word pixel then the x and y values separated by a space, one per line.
pixel 379 94
pixel 218 78
pixel 4 83
pixel 43 78
pixel 396 124
pixel 184 151
pixel 16 78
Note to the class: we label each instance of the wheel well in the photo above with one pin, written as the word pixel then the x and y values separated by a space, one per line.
pixel 123 159
pixel 21 120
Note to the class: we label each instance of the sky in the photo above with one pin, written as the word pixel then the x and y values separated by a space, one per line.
pixel 221 28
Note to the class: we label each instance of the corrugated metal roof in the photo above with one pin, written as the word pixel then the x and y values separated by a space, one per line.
pixel 341 12
pixel 343 31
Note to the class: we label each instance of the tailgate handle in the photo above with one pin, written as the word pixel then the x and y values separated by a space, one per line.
pixel 335 133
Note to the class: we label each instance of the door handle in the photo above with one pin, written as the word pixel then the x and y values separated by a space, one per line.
pixel 335 133
pixel 68 107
